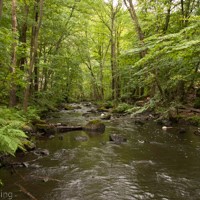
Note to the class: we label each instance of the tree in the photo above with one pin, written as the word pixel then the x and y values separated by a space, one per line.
pixel 38 10
pixel 131 9
pixel 12 101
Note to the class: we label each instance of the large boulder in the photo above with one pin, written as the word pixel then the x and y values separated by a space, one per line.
pixel 95 126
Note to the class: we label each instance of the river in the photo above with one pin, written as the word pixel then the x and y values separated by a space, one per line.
pixel 152 164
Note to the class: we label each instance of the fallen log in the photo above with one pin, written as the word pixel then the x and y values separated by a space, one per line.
pixel 56 128
pixel 188 109
pixel 62 129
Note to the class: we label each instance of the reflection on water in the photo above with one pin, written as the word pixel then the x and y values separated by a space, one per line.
pixel 152 165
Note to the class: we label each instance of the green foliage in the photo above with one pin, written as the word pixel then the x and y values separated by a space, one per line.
pixel 195 120
pixel 121 108
pixel 74 56
pixel 31 115
pixel 197 103
pixel 11 123
pixel 10 139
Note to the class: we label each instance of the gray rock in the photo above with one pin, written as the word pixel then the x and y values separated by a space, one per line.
pixel 81 138
pixel 117 139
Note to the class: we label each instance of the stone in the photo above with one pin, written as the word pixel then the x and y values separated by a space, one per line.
pixel 182 130
pixel 105 116
pixel 95 126
pixel 117 139
pixel 28 129
pixel 41 152
pixel 47 128
pixel 81 138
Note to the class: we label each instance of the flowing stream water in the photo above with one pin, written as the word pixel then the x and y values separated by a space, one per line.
pixel 152 164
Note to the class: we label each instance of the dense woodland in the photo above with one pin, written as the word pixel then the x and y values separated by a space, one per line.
pixel 103 50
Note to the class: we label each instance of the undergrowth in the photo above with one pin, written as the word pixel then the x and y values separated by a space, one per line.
pixel 11 135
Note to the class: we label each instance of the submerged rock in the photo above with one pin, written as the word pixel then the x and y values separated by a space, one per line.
pixel 41 152
pixel 95 126
pixel 197 132
pixel 81 138
pixel 117 139
pixel 182 130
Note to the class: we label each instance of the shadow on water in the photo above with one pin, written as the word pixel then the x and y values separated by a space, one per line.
pixel 152 164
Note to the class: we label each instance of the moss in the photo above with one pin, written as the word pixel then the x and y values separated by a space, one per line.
pixel 42 126
pixel 95 125
pixel 95 121
pixel 121 108
pixel 68 107
pixel 194 120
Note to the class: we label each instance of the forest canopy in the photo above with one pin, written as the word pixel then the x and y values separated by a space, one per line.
pixel 97 50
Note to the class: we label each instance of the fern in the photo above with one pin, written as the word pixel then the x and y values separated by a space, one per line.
pixel 11 137
pixel 11 140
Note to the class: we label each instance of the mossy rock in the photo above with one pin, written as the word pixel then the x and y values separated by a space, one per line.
pixel 95 126
pixel 68 107
pixel 28 128
pixel 47 128
pixel 194 120
pixel 102 109
pixel 38 121
pixel 29 145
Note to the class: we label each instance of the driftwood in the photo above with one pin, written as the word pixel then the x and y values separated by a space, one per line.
pixel 26 192
pixel 188 109
pixel 56 128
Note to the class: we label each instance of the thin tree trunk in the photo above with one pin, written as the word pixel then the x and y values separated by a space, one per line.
pixel 34 47
pixel 101 70
pixel 12 101
pixel 23 37
pixel 167 19
pixel 113 53
pixel 131 9
pixel 36 75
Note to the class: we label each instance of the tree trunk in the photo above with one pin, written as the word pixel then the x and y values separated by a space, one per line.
pixel 118 83
pixel 36 74
pixel 131 9
pixel 181 90
pixel 167 19
pixel 12 101
pixel 101 70
pixel 113 53
pixel 23 37
pixel 34 46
